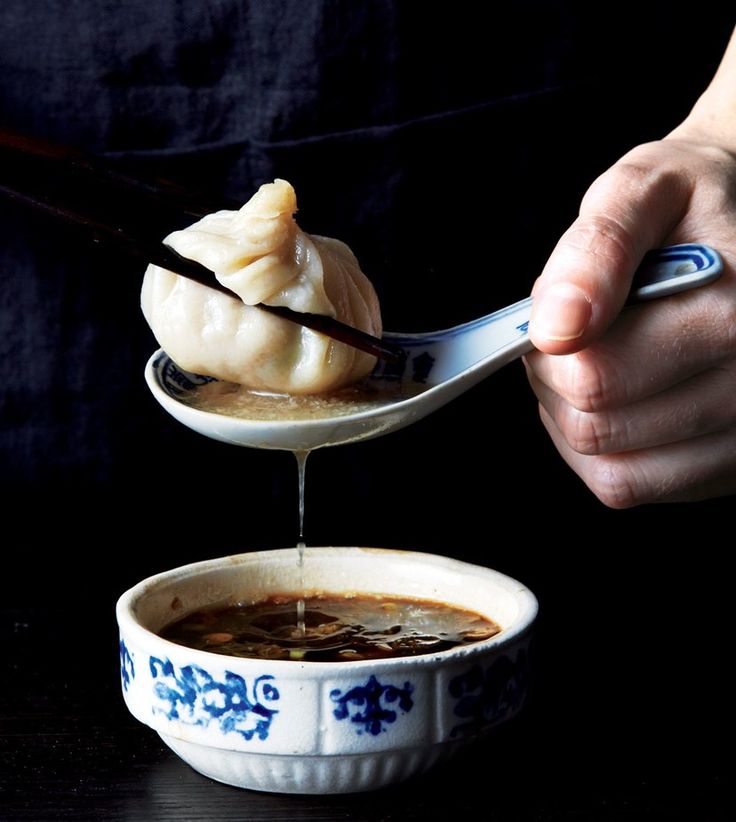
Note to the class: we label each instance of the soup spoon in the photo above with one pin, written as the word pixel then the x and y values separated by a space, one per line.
pixel 440 365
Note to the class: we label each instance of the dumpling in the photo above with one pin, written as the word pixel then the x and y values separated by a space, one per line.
pixel 261 254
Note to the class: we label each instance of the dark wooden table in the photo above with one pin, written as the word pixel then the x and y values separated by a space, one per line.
pixel 599 745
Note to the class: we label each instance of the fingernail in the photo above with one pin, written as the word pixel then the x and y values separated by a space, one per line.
pixel 561 313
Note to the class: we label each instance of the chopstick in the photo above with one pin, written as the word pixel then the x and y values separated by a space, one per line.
pixel 78 168
pixel 195 204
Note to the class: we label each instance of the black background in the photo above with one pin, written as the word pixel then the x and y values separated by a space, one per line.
pixel 450 148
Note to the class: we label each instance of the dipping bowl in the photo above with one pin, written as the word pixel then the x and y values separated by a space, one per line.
pixel 322 727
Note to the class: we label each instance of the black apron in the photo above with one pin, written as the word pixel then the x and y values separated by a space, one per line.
pixel 449 146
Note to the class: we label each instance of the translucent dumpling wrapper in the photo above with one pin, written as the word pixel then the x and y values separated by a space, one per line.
pixel 261 254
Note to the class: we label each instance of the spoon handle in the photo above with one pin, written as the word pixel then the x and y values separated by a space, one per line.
pixel 675 268
pixel 485 344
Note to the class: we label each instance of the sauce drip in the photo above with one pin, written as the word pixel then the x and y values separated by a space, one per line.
pixel 301 461
pixel 231 399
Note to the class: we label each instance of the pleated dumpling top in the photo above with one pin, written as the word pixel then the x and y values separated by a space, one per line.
pixel 261 254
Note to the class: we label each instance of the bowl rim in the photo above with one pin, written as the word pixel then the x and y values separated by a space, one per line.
pixel 137 632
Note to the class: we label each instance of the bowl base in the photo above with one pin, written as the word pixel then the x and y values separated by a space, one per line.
pixel 352 773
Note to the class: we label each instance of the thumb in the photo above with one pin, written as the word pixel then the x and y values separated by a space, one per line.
pixel 630 209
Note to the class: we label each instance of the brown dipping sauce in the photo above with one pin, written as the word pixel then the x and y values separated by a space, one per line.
pixel 336 628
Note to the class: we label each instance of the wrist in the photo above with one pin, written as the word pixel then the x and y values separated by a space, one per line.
pixel 706 129
pixel 712 120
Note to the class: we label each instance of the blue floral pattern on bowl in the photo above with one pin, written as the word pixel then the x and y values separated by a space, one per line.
pixel 369 706
pixel 485 696
pixel 127 668
pixel 195 697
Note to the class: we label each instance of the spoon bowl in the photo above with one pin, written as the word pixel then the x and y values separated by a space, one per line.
pixel 439 366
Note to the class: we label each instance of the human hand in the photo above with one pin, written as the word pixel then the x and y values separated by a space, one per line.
pixel 642 406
